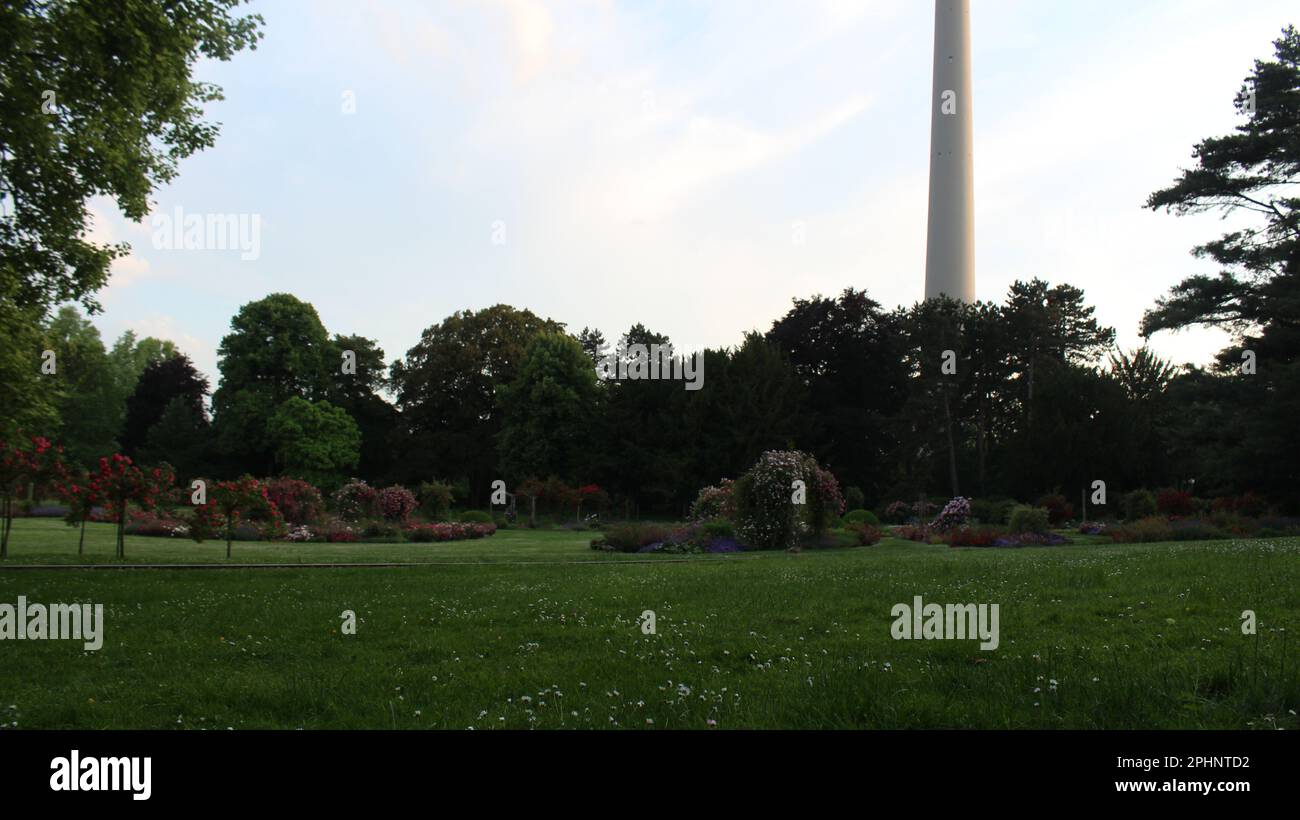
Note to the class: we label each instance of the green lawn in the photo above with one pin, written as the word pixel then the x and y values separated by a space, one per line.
pixel 1091 636
pixel 50 541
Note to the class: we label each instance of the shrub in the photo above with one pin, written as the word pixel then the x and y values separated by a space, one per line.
pixel 825 502
pixel 1059 510
pixel 718 528
pixel 1248 505
pixel 867 535
pixel 954 514
pixel 449 531
pixel 854 498
pixel 1139 504
pixel 396 503
pixel 1144 530
pixel 860 516
pixel 1028 519
pixel 380 528
pixel 767 516
pixel 356 500
pixel 1175 502
pixel 898 512
pixel 435 499
pixel 914 532
pixel 631 537
pixel 297 501
pixel 1092 528
pixel 155 523
pixel 1194 529
pixel 1032 539
pixel 714 501
pixel 973 537
pixel 991 510
pixel 475 517
pixel 723 544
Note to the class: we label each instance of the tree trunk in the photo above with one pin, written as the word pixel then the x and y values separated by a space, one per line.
pixel 952 448
pixel 81 542
pixel 4 528
pixel 982 443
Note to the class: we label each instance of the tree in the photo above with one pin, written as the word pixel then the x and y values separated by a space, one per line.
pixel 99 99
pixel 158 386
pixel 28 401
pixel 89 413
pixel 547 409
pixel 228 502
pixel 127 359
pixel 22 465
pixel 446 389
pixel 849 356
pixel 277 349
pixel 182 436
pixel 1252 172
pixel 357 392
pixel 593 344
pixel 119 482
pixel 314 441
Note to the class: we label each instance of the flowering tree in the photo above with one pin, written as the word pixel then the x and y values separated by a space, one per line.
pixel 82 494
pixel 592 493
pixel 120 482
pixel 228 502
pixel 531 489
pixel 20 467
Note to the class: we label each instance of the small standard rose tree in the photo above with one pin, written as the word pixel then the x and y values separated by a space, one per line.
pixel 228 503
pixel 532 489
pixel 22 465
pixel 593 494
pixel 120 482
pixel 82 494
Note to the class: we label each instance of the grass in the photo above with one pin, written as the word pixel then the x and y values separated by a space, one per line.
pixel 50 541
pixel 1092 636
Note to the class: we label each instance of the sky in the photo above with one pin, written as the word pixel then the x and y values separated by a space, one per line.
pixel 693 166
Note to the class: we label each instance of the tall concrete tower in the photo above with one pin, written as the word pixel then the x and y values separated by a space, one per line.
pixel 950 243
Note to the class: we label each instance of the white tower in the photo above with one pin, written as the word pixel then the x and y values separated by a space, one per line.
pixel 950 242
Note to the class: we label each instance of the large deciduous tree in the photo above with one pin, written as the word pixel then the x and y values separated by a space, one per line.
pixel 548 410
pixel 97 99
pixel 446 389
pixel 159 385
